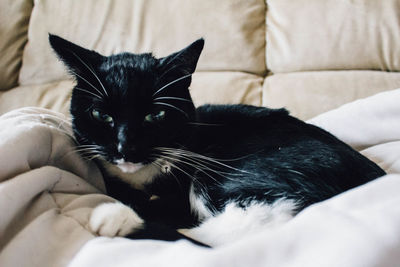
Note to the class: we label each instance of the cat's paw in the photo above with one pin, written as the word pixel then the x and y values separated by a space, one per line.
pixel 114 219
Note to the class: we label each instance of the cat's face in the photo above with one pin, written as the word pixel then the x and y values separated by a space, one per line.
pixel 125 106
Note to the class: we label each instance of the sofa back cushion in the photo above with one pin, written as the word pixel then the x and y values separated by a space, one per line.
pixel 14 19
pixel 233 30
pixel 310 35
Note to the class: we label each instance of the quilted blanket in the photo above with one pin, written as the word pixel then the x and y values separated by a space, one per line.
pixel 47 192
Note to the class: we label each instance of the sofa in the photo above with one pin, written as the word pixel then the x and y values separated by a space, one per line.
pixel 309 56
pixel 335 63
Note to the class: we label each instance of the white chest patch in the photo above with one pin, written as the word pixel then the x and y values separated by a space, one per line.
pixel 129 167
pixel 135 174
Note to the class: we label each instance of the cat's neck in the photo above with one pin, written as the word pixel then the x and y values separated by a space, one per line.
pixel 138 179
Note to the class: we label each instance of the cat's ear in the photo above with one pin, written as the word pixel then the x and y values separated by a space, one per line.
pixel 185 59
pixel 76 58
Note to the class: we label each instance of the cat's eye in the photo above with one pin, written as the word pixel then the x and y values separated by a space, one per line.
pixel 155 117
pixel 102 117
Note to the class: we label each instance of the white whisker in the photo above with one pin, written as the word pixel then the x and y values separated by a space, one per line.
pixel 157 164
pixel 194 179
pixel 64 129
pixel 204 124
pixel 94 157
pixel 172 106
pixel 196 155
pixel 196 167
pixel 86 91
pixel 59 121
pixel 201 163
pixel 172 98
pixel 94 87
pixel 172 68
pixel 87 150
pixel 171 83
pixel 91 70
pixel 175 57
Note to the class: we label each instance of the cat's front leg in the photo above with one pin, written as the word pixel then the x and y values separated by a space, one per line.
pixel 114 219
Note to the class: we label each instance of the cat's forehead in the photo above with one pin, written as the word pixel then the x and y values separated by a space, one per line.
pixel 130 62
pixel 124 68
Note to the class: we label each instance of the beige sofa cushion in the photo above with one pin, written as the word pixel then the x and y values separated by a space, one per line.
pixel 207 87
pixel 233 29
pixel 14 19
pixel 307 94
pixel 306 35
pixel 55 96
pixel 226 88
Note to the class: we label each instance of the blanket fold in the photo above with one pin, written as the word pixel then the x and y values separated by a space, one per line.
pixel 47 192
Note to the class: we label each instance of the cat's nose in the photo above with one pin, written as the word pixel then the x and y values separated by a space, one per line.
pixel 122 138
pixel 125 151
pixel 120 148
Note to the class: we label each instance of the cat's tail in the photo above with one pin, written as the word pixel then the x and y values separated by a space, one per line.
pixel 158 231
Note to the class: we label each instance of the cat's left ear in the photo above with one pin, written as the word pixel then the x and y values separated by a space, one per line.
pixel 185 59
pixel 76 58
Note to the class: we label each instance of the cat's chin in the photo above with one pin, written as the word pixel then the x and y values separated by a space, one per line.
pixel 129 167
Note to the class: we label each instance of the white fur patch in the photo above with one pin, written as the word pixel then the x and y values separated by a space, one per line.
pixel 235 222
pixel 114 219
pixel 197 205
pixel 128 167
pixel 137 179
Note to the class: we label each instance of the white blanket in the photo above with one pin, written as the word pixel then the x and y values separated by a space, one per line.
pixel 358 228
pixel 47 193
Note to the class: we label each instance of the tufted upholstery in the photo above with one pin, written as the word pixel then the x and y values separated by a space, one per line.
pixel 309 56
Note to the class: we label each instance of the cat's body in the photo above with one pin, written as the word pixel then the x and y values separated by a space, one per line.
pixel 182 166
pixel 242 154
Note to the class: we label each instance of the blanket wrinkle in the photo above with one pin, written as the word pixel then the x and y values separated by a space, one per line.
pixel 57 181
pixel 50 140
pixel 61 212
pixel 359 228
pixel 365 122
pixel 38 179
pixel 45 206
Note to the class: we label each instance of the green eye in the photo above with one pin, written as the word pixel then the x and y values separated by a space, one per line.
pixel 101 117
pixel 155 117
pixel 148 118
pixel 160 115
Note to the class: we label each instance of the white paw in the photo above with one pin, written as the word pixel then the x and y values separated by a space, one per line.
pixel 114 219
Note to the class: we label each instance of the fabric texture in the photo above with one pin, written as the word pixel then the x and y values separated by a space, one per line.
pixel 47 192
pixel 311 35
pixel 54 95
pixel 226 88
pixel 359 228
pixel 157 26
pixel 206 87
pixel 14 21
pixel 307 94
pixel 307 56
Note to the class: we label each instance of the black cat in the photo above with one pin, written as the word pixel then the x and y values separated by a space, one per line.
pixel 181 166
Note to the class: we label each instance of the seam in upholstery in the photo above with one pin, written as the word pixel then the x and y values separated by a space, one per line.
pixel 56 182
pixel 51 150
pixel 68 216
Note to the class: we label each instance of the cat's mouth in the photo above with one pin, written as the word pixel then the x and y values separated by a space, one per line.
pixel 128 167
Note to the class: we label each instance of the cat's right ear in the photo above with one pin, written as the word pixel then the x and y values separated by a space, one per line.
pixel 186 59
pixel 78 59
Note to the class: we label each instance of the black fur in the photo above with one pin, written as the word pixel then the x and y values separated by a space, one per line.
pixel 237 153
